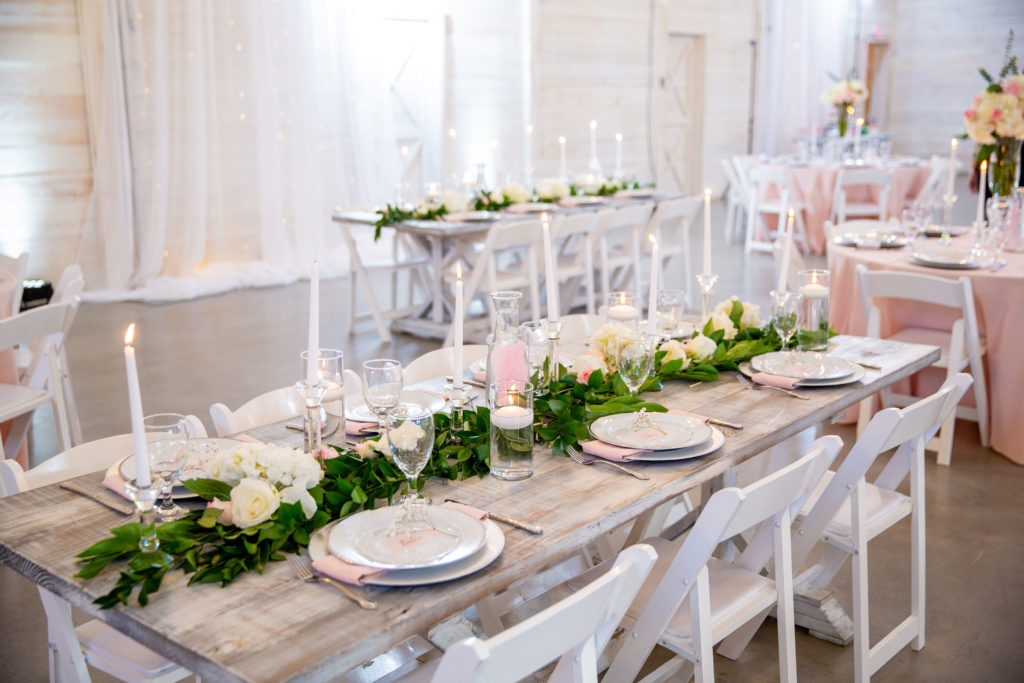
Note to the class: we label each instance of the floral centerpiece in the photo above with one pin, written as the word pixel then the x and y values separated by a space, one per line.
pixel 996 122
pixel 504 196
pixel 844 93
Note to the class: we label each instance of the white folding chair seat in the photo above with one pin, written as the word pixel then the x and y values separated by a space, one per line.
pixel 861 177
pixel 573 631
pixel 670 224
pixel 961 347
pixel 882 509
pixel 441 363
pixel 577 327
pixel 578 238
pixel 18 268
pixel 760 179
pixel 620 247
pixel 688 581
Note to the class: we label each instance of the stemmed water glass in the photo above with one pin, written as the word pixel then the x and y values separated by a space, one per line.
pixel 671 303
pixel 382 387
pixel 785 315
pixel 167 448
pixel 635 360
pixel 410 432
pixel 535 334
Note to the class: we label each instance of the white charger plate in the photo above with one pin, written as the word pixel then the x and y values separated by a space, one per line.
pixel 582 200
pixel 855 376
pixel 354 539
pixel 531 207
pixel 357 410
pixel 471 217
pixel 682 431
pixel 641 193
pixel 953 258
pixel 805 365
pixel 880 240
pixel 715 442
pixel 193 468
pixel 494 543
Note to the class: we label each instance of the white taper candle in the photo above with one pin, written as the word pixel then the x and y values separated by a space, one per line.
pixel 952 167
pixel 550 274
pixel 787 244
pixel 142 478
pixel 707 231
pixel 979 215
pixel 652 297
pixel 457 318
pixel 313 351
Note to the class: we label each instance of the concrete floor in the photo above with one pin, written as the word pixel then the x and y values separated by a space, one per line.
pixel 231 347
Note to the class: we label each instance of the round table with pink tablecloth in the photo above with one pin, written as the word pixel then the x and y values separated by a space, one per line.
pixel 999 304
pixel 815 186
pixel 8 368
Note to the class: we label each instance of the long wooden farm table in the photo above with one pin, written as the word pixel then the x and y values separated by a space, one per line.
pixel 273 627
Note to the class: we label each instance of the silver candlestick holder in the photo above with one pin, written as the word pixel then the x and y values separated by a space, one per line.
pixel 312 427
pixel 554 331
pixel 948 200
pixel 707 284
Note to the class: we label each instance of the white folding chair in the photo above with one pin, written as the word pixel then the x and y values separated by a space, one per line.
pixel 273 406
pixel 861 177
pixel 796 264
pixel 845 511
pixel 441 363
pixel 578 237
pixel 930 194
pixel 760 179
pixel 670 224
pixel 573 631
pixel 43 325
pixel 93 643
pixel 723 597
pixel 736 198
pixel 18 268
pixel 961 346
pixel 577 327
pixel 620 247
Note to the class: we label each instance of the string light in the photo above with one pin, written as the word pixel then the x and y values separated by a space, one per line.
pixel 231 22
pixel 238 47
pixel 241 116
pixel 241 93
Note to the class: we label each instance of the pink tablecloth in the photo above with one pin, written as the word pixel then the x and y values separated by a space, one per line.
pixel 815 187
pixel 999 303
pixel 8 368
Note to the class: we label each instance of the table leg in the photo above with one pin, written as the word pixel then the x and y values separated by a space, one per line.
pixel 364 280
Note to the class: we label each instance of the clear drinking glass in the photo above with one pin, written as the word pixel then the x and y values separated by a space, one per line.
pixel 621 309
pixel 535 334
pixel 785 315
pixel 410 432
pixel 511 406
pixel 330 366
pixel 382 386
pixel 671 304
pixel 814 291
pixel 167 447
pixel 636 360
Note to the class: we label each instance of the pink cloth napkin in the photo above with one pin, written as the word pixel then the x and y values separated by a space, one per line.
pixel 776 380
pixel 621 454
pixel 346 572
pixel 355 428
pixel 115 482
pixel 480 376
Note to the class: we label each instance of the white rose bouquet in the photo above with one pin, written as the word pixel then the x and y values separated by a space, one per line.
pixel 844 93
pixel 514 193
pixel 552 189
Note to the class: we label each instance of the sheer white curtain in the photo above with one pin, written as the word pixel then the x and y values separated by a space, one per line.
pixel 802 42
pixel 243 124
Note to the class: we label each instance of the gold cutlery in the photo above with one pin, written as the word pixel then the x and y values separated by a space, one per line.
pixel 751 384
pixel 470 382
pixel 525 526
pixel 584 459
pixel 304 571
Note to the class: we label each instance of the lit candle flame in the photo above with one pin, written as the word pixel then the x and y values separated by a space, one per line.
pixel 860 122
pixel 451 133
pixel 849 110
pixel 707 192
pixel 652 239
pixel 458 271
pixel 593 125
pixel 791 212
pixel 529 129
pixel 622 298
pixel 953 142
pixel 544 216
pixel 618 137
pixel 129 335
pixel 561 139
pixel 984 165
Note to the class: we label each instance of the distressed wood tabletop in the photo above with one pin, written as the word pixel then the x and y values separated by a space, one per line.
pixel 272 627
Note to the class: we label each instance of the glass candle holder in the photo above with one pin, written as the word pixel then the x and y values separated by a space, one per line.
pixel 622 309
pixel 814 291
pixel 330 369
pixel 511 406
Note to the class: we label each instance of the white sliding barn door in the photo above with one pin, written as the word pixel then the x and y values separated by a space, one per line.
pixel 679 112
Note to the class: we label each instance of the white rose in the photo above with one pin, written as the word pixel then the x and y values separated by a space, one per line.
pixel 552 189
pixel 253 502
pixel 607 340
pixel 751 316
pixel 370 448
pixel 589 182
pixel 299 494
pixel 515 193
pixel 407 436
pixel 700 347
pixel 721 321
pixel 584 365
pixel 455 202
pixel 674 350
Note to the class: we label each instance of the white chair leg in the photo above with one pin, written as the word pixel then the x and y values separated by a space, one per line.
pixel 784 610
pixel 945 452
pixel 917 545
pixel 751 217
pixel 350 314
pixel 981 403
pixel 588 279
pixel 864 412
pixel 861 634
pixel 700 604
pixel 69 400
pixel 66 658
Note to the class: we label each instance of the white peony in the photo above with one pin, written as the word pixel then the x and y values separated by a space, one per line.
pixel 515 193
pixel 751 316
pixel 253 502
pixel 675 350
pixel 700 348
pixel 273 464
pixel 407 436
pixel 584 365
pixel 721 321
pixel 297 493
pixel 590 183
pixel 455 201
pixel 608 340
pixel 552 189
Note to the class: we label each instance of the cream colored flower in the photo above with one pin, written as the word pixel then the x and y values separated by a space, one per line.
pixel 675 350
pixel 371 448
pixel 700 347
pixel 584 365
pixel 608 340
pixel 590 183
pixel 406 436
pixel 298 494
pixel 515 193
pixel 552 189
pixel 253 502
pixel 455 201
pixel 721 321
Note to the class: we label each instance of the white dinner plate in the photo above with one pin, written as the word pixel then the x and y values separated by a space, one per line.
pixel 360 539
pixel 937 231
pixel 494 543
pixel 946 256
pixel 805 365
pixel 195 467
pixel 639 193
pixel 582 200
pixel 531 207
pixel 357 410
pixel 681 431
pixel 710 446
pixel 875 240
pixel 471 217
pixel 855 376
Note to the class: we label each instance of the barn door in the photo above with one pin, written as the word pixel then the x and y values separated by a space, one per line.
pixel 679 113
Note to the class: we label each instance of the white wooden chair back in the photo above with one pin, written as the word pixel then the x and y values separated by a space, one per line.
pixel 796 264
pixel 577 328
pixel 772 501
pixel 38 323
pixel 18 267
pixel 670 224
pixel 760 179
pixel 575 631
pixel 578 237
pixel 861 177
pixel 519 236
pixel 620 246
pixel 273 406
pixel 441 363
pixel 935 185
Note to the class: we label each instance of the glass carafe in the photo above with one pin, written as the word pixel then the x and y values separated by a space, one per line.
pixel 506 350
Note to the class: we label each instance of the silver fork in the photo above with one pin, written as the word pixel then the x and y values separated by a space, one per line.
pixel 590 460
pixel 304 572
pixel 751 384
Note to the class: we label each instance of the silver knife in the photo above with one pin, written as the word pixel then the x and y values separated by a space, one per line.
pixel 125 508
pixel 525 526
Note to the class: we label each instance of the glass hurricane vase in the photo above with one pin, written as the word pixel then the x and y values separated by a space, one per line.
pixel 1004 171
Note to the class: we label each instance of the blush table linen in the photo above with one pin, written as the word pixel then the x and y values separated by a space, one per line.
pixel 999 304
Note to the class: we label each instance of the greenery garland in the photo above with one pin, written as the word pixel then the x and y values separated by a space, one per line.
pixel 392 214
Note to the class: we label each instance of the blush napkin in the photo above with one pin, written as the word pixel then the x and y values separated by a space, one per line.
pixel 346 572
pixel 622 454
pixel 778 381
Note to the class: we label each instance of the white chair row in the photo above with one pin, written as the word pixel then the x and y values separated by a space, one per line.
pixel 17 267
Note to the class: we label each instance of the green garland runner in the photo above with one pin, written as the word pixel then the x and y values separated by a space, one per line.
pixel 392 214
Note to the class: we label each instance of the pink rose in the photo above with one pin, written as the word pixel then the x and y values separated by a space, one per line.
pixel 225 505
pixel 848 97
pixel 1012 89
pixel 997 114
pixel 977 100
pixel 327 453
pixel 584 375
pixel 970 114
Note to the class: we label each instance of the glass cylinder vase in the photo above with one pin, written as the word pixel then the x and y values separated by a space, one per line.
pixel 511 406
pixel 506 350
pixel 814 291
pixel 1004 167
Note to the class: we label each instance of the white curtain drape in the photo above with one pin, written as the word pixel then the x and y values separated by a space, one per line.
pixel 229 132
pixel 802 42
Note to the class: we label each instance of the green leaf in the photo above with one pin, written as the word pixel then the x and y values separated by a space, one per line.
pixel 208 489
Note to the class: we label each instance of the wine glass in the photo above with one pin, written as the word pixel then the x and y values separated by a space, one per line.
pixel 636 360
pixel 535 333
pixel 410 432
pixel 382 386
pixel 167 448
pixel 671 303
pixel 785 315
